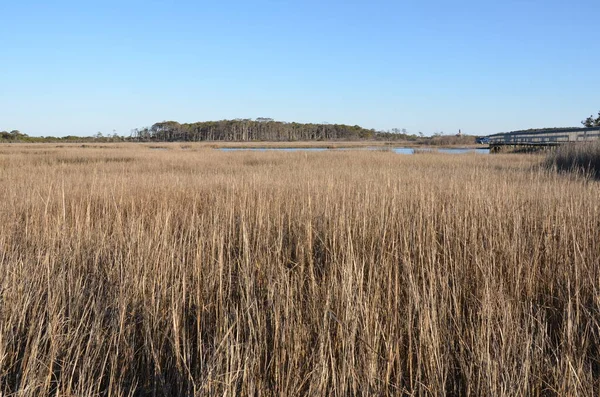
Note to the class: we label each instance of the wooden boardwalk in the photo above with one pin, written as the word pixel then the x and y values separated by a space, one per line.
pixel 548 137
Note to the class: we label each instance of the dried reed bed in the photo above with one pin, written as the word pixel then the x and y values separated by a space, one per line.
pixel 578 157
pixel 131 271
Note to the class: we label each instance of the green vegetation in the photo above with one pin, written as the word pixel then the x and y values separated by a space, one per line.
pixel 17 136
pixel 248 130
pixel 591 121
pixel 547 129
pixel 261 129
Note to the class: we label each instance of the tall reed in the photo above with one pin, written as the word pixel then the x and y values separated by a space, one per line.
pixel 577 157
pixel 127 271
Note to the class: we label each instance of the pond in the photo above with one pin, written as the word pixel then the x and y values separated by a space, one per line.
pixel 399 150
pixel 275 149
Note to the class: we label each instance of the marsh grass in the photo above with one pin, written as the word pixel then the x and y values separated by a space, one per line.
pixel 579 158
pixel 318 273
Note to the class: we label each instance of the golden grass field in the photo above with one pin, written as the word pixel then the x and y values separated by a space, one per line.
pixel 127 271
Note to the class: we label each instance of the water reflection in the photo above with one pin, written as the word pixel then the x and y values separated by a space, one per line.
pixel 399 150
pixel 276 149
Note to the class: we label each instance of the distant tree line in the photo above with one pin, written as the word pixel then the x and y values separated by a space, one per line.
pixel 247 130
pixel 17 136
pixel 544 129
pixel 14 135
pixel 260 129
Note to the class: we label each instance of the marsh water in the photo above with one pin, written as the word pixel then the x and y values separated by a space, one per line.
pixel 399 150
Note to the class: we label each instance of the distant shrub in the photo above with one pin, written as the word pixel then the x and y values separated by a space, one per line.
pixel 580 157
pixel 450 140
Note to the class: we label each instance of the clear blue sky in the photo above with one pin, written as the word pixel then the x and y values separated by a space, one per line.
pixel 78 67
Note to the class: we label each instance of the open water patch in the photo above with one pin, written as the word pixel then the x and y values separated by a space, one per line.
pixel 398 150
pixel 273 149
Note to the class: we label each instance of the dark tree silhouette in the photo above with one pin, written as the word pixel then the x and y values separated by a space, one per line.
pixel 591 121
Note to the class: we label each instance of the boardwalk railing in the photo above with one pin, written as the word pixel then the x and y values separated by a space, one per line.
pixel 545 137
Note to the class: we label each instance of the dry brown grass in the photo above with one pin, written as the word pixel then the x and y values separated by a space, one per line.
pixel 576 157
pixel 130 271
